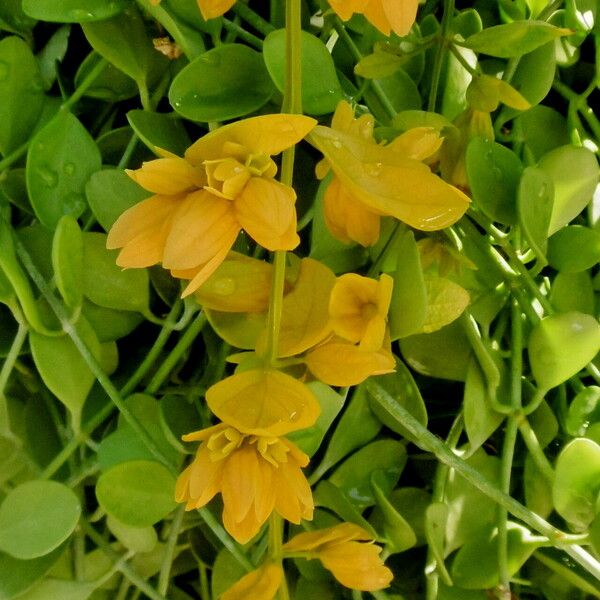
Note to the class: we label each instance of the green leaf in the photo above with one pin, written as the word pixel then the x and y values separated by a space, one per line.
pixel 399 534
pixel 225 572
pixel 61 158
pixel 110 85
pixel 561 246
pixel 574 172
pixel 160 130
pixel 17 576
pixel 73 11
pixel 446 301
pixel 481 420
pixel 36 518
pixel 378 65
pixel 401 92
pixel 178 417
pixel 14 20
pixel 59 589
pixel 63 369
pixel 573 292
pixel 22 93
pixel 535 198
pixel 583 410
pixel 577 483
pixel 137 539
pixel 353 475
pixel 401 386
pixel 537 489
pixel 110 193
pixel 226 82
pixel 408 306
pixel 491 166
pixel 436 519
pixel 106 284
pixel 321 90
pixel 561 345
pixel 444 353
pixel 67 260
pixel 122 40
pixel 514 39
pixel 138 493
pixel 476 566
pixel 543 129
pixel 357 426
pixel 54 51
pixel 309 440
pixel 108 323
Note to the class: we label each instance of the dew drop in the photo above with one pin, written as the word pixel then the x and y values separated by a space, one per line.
pixel 74 203
pixel 48 176
pixel 69 168
pixel 497 173
pixel 489 155
pixel 543 190
pixel 294 416
pixel 373 169
pixel 4 70
pixel 336 143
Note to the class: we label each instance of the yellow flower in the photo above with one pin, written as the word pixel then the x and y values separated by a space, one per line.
pixel 372 180
pixel 254 474
pixel 386 15
pixel 263 402
pixel 358 308
pixel 340 363
pixel 261 584
pixel 211 9
pixel 224 184
pixel 340 548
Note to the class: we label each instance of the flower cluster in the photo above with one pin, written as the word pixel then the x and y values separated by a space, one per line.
pixel 331 329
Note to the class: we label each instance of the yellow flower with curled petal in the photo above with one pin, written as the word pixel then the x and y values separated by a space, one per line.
pixel 255 474
pixel 223 184
pixel 358 309
pixel 386 15
pixel 263 402
pixel 211 9
pixel 371 180
pixel 346 550
pixel 261 584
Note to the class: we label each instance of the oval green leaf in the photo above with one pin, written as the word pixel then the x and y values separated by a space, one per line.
pixel 491 166
pixel 138 493
pixel 574 248
pixel 61 158
pixel 159 130
pixel 73 11
pixel 224 83
pixel 67 260
pixel 561 345
pixel 321 90
pixel 37 517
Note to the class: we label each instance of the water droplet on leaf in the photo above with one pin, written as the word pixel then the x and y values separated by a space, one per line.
pixel 48 176
pixel 69 168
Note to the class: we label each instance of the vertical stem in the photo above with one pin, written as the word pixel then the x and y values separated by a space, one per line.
pixel 5 372
pixel 275 550
pixel 165 569
pixel 440 54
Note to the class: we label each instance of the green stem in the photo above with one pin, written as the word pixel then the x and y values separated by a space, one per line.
pixel 567 573
pixel 154 352
pixel 534 448
pixel 431 443
pixel 440 54
pixel 275 550
pixel 87 355
pixel 169 552
pixel 187 339
pixel 242 34
pixel 252 18
pixel 7 367
pixel 233 548
pixel 14 156
pixel 462 60
pixel 123 567
pixel 356 53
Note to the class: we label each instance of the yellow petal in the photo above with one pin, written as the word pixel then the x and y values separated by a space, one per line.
pixel 242 531
pixel 400 14
pixel 263 402
pixel 313 540
pixel 419 143
pixel 202 227
pixel 343 364
pixel 356 566
pixel 168 176
pixel 240 284
pixel 305 311
pixel 241 478
pixel 346 8
pixel 142 231
pixel 347 218
pixel 261 584
pixel 511 97
pixel 211 9
pixel 266 134
pixel 294 500
pixel 265 210
pixel 390 184
pixel 375 14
